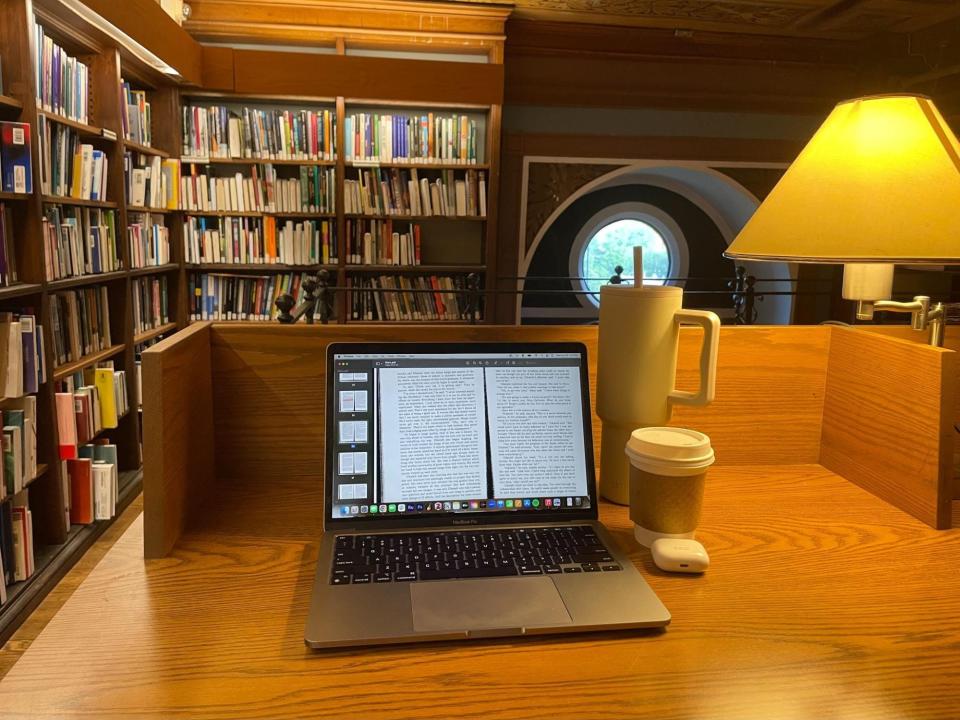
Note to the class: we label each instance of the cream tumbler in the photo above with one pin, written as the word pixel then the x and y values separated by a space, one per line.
pixel 636 369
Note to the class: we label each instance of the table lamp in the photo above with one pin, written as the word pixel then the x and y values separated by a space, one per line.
pixel 878 184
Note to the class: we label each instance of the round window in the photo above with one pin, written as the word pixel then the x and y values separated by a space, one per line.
pixel 613 244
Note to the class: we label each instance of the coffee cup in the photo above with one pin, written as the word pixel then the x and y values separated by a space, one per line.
pixel 668 470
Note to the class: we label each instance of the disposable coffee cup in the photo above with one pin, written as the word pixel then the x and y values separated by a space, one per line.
pixel 668 470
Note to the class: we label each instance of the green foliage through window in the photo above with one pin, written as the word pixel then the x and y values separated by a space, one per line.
pixel 613 245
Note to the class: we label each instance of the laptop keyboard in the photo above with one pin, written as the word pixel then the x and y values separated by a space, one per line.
pixel 407 557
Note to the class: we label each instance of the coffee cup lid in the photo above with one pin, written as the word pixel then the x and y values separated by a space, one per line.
pixel 662 449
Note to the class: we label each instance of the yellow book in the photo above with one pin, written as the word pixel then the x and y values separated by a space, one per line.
pixel 171 169
pixel 76 187
pixel 108 399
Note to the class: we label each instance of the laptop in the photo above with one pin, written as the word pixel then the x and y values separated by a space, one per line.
pixel 460 499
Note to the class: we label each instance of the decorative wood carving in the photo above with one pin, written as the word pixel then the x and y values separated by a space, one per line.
pixel 552 183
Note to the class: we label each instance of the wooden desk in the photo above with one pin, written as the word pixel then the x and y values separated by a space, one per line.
pixel 822 601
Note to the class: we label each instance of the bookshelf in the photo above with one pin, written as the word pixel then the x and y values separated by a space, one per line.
pixel 451 244
pixel 57 542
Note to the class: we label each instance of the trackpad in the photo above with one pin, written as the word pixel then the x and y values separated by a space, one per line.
pixel 486 603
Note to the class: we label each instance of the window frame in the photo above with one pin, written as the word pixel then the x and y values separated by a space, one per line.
pixel 677 251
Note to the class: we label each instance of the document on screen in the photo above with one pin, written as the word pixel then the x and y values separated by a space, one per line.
pixel 433 433
pixel 536 431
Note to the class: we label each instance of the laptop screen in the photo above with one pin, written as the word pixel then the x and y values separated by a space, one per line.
pixel 416 432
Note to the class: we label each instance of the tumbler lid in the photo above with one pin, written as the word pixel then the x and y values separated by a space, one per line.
pixel 669 450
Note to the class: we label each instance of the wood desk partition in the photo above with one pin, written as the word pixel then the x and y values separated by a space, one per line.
pixel 822 600
pixel 784 395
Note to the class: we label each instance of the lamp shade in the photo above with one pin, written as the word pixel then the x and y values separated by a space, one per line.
pixel 879 182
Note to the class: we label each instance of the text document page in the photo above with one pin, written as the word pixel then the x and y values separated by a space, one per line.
pixel 433 433
pixel 536 431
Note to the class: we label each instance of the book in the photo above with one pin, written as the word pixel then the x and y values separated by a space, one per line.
pixel 80 472
pixel 401 298
pixel 150 298
pixel 421 138
pixel 382 242
pixel 135 114
pixel 148 239
pixel 62 81
pixel 27 407
pixel 11 356
pixel 16 174
pixel 220 131
pixel 79 241
pixel 110 407
pixel 8 266
pixel 81 322
pixel 145 180
pixel 215 296
pixel 66 425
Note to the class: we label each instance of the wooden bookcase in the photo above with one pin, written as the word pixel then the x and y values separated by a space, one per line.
pixel 215 75
pixel 57 546
pixel 462 244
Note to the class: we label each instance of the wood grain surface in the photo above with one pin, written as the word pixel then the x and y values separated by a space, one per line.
pixel 887 420
pixel 821 601
pixel 268 386
pixel 951 342
pixel 178 468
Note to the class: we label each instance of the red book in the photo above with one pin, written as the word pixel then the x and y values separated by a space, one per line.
pixel 82 410
pixel 81 491
pixel 66 426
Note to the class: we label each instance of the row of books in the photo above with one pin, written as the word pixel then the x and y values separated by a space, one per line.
pixel 63 82
pixel 241 297
pixel 16 542
pixel 259 241
pixel 69 167
pixel 135 114
pixel 399 192
pixel 151 181
pixel 382 242
pixel 429 137
pixel 221 132
pixel 148 239
pixel 81 322
pixel 8 264
pixel 88 403
pixel 390 298
pixel 22 353
pixel 94 484
pixel 19 464
pixel 150 303
pixel 312 190
pixel 16 165
pixel 79 241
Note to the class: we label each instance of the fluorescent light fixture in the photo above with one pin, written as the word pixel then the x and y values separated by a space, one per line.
pixel 131 45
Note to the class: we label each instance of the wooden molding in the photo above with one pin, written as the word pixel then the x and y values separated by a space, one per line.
pixel 258 72
pixel 147 23
pixel 364 23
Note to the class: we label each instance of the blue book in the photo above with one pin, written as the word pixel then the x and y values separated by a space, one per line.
pixel 15 157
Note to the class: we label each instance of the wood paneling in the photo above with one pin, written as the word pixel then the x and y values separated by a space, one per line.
pixel 259 72
pixel 951 342
pixel 790 18
pixel 887 420
pixel 149 25
pixel 821 600
pixel 177 434
pixel 218 68
pixel 446 26
pixel 268 383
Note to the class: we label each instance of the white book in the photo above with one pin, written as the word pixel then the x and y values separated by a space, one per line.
pixel 138 186
pixel 234 131
pixel 483 196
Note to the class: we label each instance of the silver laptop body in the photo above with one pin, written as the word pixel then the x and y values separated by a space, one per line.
pixel 460 499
